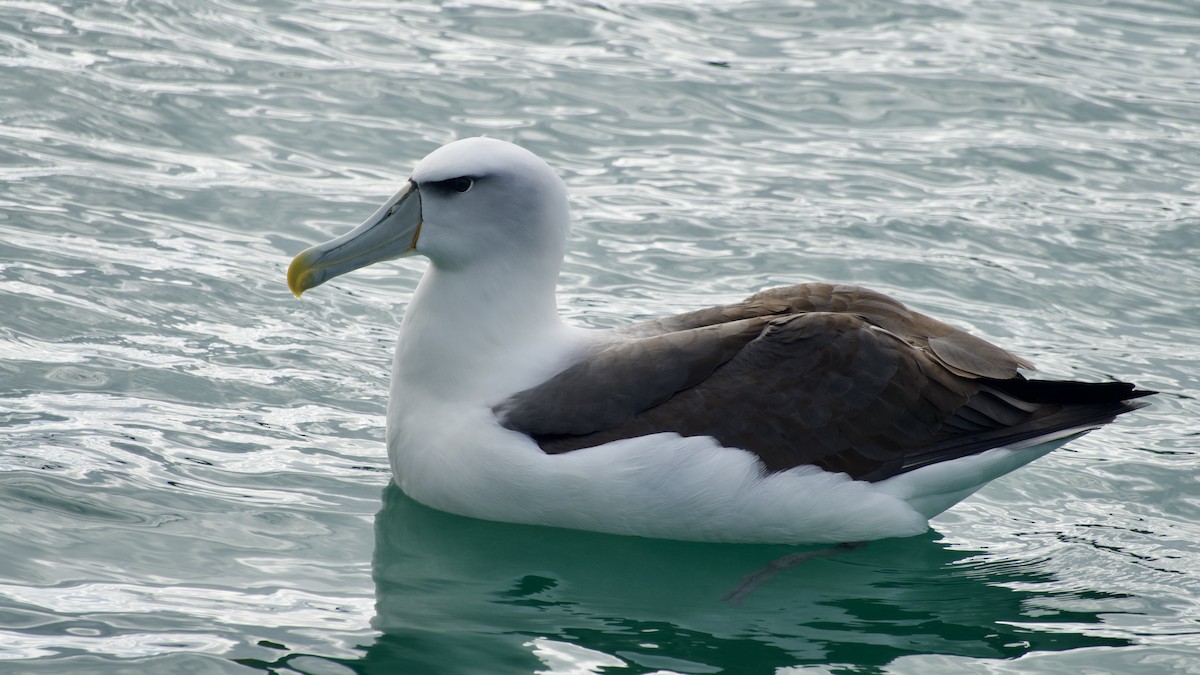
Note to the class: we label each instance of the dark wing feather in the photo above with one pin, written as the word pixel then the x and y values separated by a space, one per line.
pixel 954 348
pixel 608 387
pixel 833 376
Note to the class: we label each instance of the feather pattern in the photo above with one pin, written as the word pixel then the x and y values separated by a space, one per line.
pixel 834 376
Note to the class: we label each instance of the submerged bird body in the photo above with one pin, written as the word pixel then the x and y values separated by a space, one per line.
pixel 809 413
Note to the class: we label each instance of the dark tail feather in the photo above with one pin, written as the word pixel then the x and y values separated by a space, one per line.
pixel 1048 406
pixel 1069 393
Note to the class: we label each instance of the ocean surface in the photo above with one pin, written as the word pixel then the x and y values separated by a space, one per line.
pixel 192 470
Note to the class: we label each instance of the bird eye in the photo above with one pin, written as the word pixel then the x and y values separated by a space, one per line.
pixel 460 184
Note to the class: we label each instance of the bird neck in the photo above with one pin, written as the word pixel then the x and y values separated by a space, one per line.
pixel 473 333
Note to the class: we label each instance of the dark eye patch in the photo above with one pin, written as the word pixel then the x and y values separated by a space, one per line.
pixel 459 184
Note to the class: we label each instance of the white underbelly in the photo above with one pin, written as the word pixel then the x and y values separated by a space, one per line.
pixel 667 486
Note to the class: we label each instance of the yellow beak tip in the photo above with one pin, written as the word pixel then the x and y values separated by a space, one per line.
pixel 295 276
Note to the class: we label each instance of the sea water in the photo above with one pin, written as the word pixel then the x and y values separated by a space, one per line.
pixel 192 470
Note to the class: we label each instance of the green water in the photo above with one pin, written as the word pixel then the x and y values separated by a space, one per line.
pixel 192 473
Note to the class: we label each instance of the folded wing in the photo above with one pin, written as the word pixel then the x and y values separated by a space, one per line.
pixel 834 376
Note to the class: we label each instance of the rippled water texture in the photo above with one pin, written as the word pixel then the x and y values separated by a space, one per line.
pixel 192 474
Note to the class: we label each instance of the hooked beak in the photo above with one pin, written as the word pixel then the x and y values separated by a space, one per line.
pixel 390 233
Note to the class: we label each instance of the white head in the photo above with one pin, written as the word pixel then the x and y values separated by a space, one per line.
pixel 475 202
pixel 513 201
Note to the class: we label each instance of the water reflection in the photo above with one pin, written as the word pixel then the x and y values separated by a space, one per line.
pixel 490 597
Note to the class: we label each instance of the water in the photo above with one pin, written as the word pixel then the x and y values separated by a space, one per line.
pixel 192 476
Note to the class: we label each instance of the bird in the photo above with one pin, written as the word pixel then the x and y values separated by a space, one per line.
pixel 810 413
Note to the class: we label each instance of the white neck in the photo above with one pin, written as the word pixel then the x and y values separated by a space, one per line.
pixel 481 334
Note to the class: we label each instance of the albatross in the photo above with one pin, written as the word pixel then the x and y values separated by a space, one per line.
pixel 813 413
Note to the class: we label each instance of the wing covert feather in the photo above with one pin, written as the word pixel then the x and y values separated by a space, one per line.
pixel 956 349
pixel 620 380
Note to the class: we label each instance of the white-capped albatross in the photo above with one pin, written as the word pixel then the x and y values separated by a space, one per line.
pixel 809 413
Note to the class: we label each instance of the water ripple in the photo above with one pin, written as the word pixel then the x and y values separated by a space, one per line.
pixel 191 460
